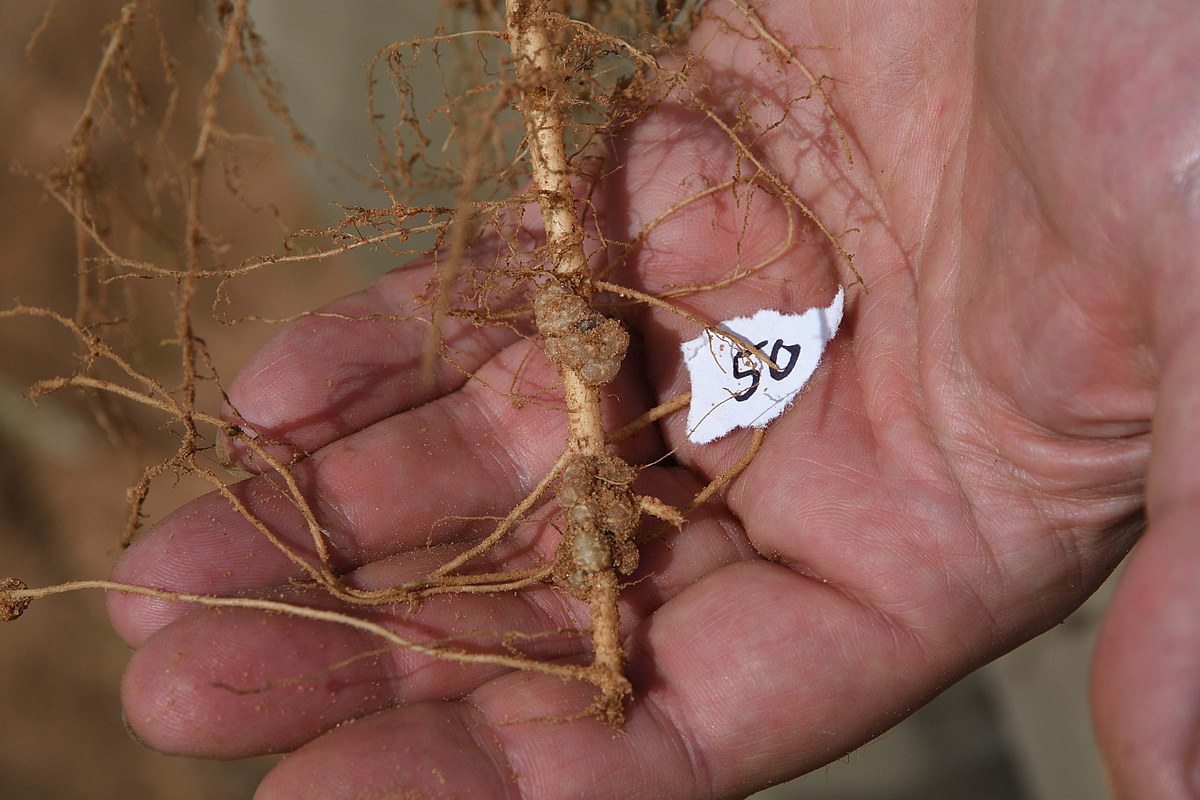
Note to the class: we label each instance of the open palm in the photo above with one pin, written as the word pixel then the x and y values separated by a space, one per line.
pixel 967 465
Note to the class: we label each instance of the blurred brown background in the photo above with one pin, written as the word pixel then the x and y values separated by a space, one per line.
pixel 1016 730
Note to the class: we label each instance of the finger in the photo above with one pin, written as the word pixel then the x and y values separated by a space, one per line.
pixel 750 676
pixel 1146 676
pixel 361 358
pixel 354 362
pixel 426 476
pixel 239 683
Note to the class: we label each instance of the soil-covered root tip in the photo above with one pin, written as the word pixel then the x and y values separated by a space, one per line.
pixel 11 606
pixel 610 706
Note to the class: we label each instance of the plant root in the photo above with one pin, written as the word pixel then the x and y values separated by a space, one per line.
pixel 676 403
pixel 602 513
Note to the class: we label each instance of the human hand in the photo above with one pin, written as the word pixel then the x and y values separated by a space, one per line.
pixel 967 465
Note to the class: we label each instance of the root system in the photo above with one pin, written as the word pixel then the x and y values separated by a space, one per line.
pixel 564 78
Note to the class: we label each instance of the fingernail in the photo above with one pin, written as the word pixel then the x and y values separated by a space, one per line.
pixel 132 733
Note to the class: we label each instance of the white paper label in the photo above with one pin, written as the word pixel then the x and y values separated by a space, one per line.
pixel 733 389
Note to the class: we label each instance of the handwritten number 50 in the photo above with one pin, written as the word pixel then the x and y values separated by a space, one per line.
pixel 752 370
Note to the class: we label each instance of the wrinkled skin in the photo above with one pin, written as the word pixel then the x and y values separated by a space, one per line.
pixel 1002 415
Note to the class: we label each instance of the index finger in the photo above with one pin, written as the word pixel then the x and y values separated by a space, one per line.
pixel 354 362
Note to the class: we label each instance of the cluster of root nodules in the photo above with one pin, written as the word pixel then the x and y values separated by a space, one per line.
pixel 12 607
pixel 601 510
pixel 577 336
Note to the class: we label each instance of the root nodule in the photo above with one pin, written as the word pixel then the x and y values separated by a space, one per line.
pixel 597 499
pixel 577 337
pixel 11 606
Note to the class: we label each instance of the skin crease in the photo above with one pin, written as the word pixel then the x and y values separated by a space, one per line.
pixel 969 462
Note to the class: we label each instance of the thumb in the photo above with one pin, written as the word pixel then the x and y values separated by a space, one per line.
pixel 1146 675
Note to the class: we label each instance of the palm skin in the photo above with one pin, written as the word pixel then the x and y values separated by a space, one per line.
pixel 970 461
